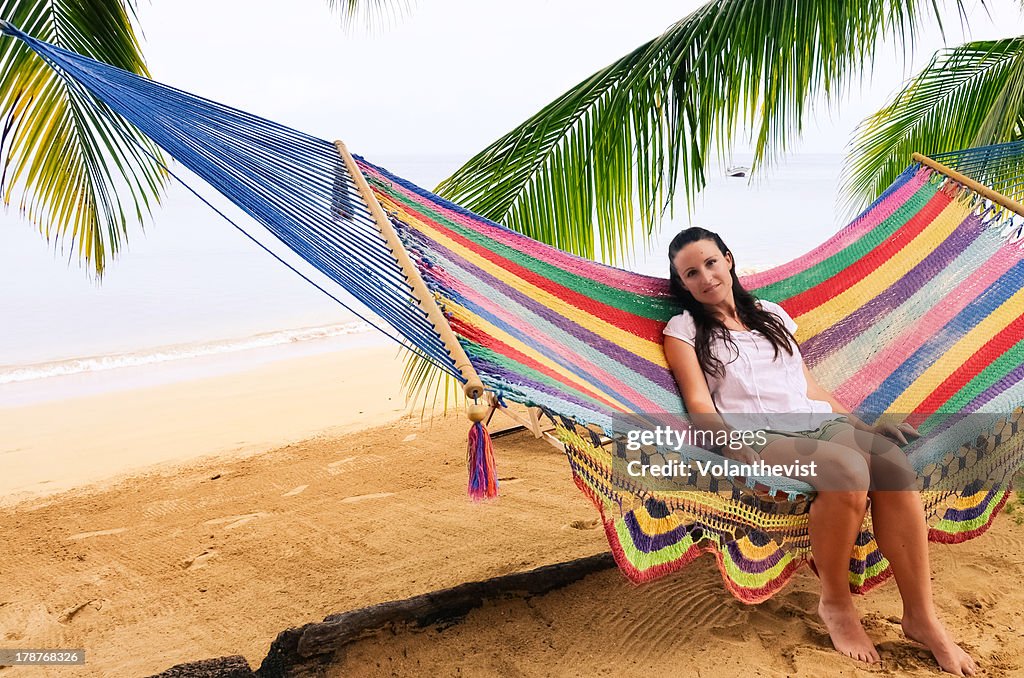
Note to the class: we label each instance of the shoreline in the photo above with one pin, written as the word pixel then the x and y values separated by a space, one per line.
pixel 73 378
pixel 72 443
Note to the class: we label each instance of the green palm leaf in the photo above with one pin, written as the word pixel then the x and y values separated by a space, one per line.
pixel 81 174
pixel 606 157
pixel 428 386
pixel 369 12
pixel 972 95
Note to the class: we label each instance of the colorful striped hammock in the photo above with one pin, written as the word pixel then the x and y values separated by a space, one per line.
pixel 916 307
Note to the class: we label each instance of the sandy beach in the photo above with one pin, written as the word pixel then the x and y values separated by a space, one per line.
pixel 58 445
pixel 200 519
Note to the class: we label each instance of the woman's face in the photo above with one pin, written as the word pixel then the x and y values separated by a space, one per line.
pixel 705 271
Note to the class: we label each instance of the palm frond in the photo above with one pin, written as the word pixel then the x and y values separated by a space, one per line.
pixel 370 13
pixel 81 174
pixel 607 156
pixel 425 384
pixel 971 95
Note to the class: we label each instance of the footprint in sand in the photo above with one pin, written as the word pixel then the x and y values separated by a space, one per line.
pixel 295 491
pixel 976 602
pixel 98 533
pixel 341 462
pixel 365 497
pixel 584 524
pixel 163 507
pixel 73 612
pixel 793 604
pixel 199 561
pixel 360 461
pixel 236 521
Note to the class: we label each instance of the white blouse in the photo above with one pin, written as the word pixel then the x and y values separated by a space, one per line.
pixel 756 383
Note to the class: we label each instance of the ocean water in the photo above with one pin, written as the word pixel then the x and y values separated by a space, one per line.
pixel 191 296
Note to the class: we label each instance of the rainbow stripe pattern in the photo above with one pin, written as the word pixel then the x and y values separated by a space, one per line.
pixel 916 307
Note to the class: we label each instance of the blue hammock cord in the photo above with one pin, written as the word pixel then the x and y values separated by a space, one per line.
pixel 294 184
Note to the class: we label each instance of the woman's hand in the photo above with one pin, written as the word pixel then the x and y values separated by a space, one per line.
pixel 900 433
pixel 744 455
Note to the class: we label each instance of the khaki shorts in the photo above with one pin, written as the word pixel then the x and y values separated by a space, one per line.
pixel 830 429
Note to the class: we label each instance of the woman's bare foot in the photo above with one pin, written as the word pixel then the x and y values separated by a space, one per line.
pixel 932 634
pixel 847 633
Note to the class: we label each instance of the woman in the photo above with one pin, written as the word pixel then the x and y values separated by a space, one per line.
pixel 730 353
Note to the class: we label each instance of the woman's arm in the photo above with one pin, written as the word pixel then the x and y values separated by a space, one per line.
pixel 682 360
pixel 816 392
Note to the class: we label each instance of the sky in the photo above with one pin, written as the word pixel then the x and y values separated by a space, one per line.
pixel 450 76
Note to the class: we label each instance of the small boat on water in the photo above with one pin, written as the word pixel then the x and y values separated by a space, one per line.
pixel 737 171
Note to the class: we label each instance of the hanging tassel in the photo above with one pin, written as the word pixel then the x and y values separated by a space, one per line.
pixel 483 477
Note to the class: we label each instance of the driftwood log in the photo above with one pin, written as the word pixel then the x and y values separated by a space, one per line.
pixel 308 650
pixel 234 666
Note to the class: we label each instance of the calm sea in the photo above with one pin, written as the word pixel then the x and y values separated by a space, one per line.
pixel 191 296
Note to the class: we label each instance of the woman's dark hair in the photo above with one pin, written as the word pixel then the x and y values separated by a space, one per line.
pixel 708 326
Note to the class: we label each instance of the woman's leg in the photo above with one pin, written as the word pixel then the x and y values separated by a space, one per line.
pixel 835 521
pixel 902 535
